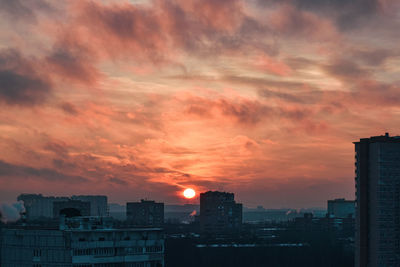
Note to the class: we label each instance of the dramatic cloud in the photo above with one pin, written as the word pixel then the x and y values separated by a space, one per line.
pixel 24 10
pixel 19 81
pixel 138 99
pixel 49 175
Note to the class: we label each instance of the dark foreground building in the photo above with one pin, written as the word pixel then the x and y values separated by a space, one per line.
pixel 81 242
pixel 377 201
pixel 219 212
pixel 145 213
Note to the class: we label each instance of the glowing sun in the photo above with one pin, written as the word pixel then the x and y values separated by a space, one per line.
pixel 189 193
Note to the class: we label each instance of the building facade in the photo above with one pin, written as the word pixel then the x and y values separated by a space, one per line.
pixel 71 208
pixel 219 212
pixel 79 244
pixel 145 213
pixel 38 206
pixel 98 204
pixel 377 201
pixel 341 208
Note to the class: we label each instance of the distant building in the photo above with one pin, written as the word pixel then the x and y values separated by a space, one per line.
pixel 71 208
pixel 145 213
pixel 117 211
pixel 219 212
pixel 377 201
pixel 341 208
pixel 81 242
pixel 98 204
pixel 38 206
pixel 341 227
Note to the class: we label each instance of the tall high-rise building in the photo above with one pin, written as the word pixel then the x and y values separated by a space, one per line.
pixel 219 212
pixel 377 201
pixel 145 213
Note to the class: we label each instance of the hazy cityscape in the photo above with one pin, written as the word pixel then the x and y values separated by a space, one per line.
pixel 196 133
pixel 86 230
pixel 67 231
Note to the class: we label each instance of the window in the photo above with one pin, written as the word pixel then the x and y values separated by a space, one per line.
pixel 37 253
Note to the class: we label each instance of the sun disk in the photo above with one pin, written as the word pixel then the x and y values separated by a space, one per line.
pixel 189 193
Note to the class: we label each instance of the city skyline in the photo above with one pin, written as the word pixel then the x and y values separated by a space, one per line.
pixel 143 99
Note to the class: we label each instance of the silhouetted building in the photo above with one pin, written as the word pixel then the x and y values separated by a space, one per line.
pixel 81 242
pixel 145 213
pixel 341 208
pixel 98 204
pixel 37 206
pixel 340 226
pixel 219 212
pixel 71 208
pixel 377 201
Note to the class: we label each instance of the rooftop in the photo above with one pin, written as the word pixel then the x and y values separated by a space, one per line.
pixel 380 139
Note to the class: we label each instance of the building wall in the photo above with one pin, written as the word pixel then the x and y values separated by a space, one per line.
pixel 98 204
pixel 38 206
pixel 384 217
pixel 219 212
pixel 378 201
pixel 145 213
pixel 82 206
pixel 25 248
pixel 341 208
pixel 109 247
pixel 121 246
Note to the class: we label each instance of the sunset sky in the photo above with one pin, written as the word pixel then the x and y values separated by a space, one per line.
pixel 137 99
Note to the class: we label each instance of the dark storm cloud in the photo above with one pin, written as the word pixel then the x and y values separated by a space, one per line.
pixel 19 171
pixel 19 82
